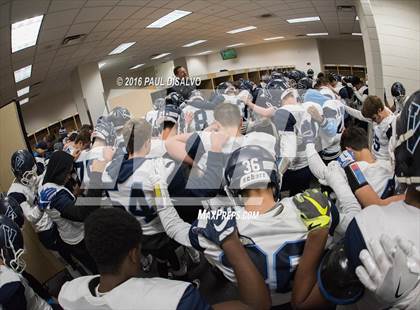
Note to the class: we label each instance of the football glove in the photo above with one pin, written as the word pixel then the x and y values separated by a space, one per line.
pixel 314 208
pixel 45 197
pixel 219 225
pixel 390 269
pixel 346 158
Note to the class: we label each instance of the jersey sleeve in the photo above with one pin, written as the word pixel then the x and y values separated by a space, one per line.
pixel 174 226
pixel 192 300
pixel 12 296
pixel 356 114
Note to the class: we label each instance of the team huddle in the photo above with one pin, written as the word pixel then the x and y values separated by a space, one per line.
pixel 275 185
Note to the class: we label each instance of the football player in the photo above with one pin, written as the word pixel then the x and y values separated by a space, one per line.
pixel 114 239
pixel 153 115
pixel 201 113
pixel 375 112
pixel 274 237
pixel 118 117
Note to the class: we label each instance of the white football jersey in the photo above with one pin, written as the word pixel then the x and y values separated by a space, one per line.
pixel 40 220
pixel 381 134
pixel 274 241
pixel 8 278
pixel 202 118
pixel 83 163
pixel 134 190
pixel 288 120
pixel 395 219
pixel 333 109
pixel 157 148
pixel 327 92
pixel 135 293
pixel 380 175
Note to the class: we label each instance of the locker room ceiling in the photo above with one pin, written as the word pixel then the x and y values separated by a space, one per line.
pixel 108 23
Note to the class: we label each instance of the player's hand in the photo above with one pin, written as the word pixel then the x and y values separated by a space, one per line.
pixel 412 253
pixel 346 158
pixel 218 139
pixel 316 116
pixel 188 118
pixel 218 227
pixel 386 269
pixel 45 197
pixel 307 132
pixel 314 207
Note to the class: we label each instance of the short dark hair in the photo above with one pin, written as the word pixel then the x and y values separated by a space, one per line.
pixel 86 127
pixel 372 106
pixel 320 75
pixel 354 138
pixel 321 81
pixel 73 136
pixel 83 136
pixel 227 114
pixel 176 69
pixel 110 233
pixel 168 124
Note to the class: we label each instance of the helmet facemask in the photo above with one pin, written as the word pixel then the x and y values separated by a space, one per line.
pixel 12 257
pixel 29 177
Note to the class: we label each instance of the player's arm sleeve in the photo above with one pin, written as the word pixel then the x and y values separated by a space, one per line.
pixel 316 165
pixel 68 209
pixel 31 213
pixel 12 296
pixel 207 185
pixel 329 125
pixel 356 114
pixel 174 226
pixel 192 300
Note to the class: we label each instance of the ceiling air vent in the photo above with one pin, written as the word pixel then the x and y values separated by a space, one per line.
pixel 36 84
pixel 346 8
pixel 73 40
pixel 301 35
pixel 266 15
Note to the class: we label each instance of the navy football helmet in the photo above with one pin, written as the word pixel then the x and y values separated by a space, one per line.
pixel 397 90
pixel 24 167
pixel 105 130
pixel 11 244
pixel 304 83
pixel 405 142
pixel 274 90
pixel 174 98
pixel 119 116
pixel 171 113
pixel 251 167
pixel 310 73
pixel 11 208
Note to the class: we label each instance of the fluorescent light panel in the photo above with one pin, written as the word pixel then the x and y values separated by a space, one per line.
pixel 241 29
pixel 233 45
pixel 23 91
pixel 23 101
pixel 357 17
pixel 25 33
pixel 303 19
pixel 161 55
pixel 23 73
pixel 136 66
pixel 356 34
pixel 273 38
pixel 194 43
pixel 203 53
pixel 121 48
pixel 317 34
pixel 168 18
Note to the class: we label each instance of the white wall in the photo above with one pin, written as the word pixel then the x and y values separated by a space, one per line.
pixel 40 114
pixel 294 52
pixel 342 51
pixel 398 32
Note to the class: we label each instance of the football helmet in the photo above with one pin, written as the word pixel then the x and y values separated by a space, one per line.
pixel 158 103
pixel 397 90
pixel 274 90
pixel 105 130
pixel 11 244
pixel 224 88
pixel 11 208
pixel 251 167
pixel 295 75
pixel 405 142
pixel 24 167
pixel 174 99
pixel 171 113
pixel 119 116
pixel 304 83
pixel 310 73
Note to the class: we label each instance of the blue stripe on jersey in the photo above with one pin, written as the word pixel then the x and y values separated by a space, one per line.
pixel 354 244
pixel 194 237
pixel 194 147
pixel 192 299
pixel 128 167
pixel 284 120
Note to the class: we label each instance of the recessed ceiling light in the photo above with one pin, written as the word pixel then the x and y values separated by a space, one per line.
pixel 356 34
pixel 241 29
pixel 357 18
pixel 23 101
pixel 23 73
pixel 273 38
pixel 194 43
pixel 23 91
pixel 317 34
pixel 161 55
pixel 101 64
pixel 233 45
pixel 25 33
pixel 303 19
pixel 203 53
pixel 121 48
pixel 168 18
pixel 136 66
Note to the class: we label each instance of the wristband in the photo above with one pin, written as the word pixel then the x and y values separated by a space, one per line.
pixel 355 177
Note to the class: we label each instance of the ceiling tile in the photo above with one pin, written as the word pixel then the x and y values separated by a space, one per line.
pixel 4 15
pixel 92 14
pixel 143 12
pixel 52 34
pixel 57 19
pixel 96 3
pixel 25 9
pixel 121 12
pixel 107 25
pixel 61 5
pixel 81 28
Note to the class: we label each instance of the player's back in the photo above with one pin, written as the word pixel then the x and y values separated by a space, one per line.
pixel 382 132
pixel 135 293
pixel 380 175
pixel 202 116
